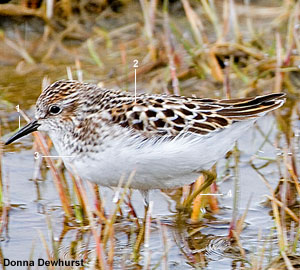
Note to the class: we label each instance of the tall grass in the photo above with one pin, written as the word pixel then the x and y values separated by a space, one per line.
pixel 211 46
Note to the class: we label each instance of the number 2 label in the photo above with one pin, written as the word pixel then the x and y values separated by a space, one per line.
pixel 135 63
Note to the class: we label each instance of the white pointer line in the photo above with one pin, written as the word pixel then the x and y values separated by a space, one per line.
pixel 135 85
pixel 212 194
pixel 57 156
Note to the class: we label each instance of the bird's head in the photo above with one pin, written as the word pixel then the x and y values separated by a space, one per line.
pixel 58 106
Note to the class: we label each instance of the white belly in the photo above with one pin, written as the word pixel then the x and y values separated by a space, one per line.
pixel 165 164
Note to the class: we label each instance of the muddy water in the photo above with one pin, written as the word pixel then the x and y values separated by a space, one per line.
pixel 36 209
pixel 36 206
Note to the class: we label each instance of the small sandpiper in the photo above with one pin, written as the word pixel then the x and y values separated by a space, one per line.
pixel 167 140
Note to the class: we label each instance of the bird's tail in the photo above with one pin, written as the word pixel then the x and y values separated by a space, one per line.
pixel 242 109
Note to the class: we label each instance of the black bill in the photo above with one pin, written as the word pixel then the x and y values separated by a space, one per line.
pixel 30 127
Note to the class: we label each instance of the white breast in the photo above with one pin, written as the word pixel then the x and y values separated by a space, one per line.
pixel 164 164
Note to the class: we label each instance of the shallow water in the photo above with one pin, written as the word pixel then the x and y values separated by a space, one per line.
pixel 36 211
pixel 29 213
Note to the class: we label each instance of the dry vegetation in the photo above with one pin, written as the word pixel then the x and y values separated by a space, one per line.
pixel 208 48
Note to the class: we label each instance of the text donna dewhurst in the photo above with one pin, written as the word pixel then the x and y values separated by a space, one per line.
pixel 42 262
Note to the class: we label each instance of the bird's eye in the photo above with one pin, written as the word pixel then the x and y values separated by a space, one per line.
pixel 54 109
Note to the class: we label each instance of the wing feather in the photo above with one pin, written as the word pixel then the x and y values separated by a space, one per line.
pixel 172 115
